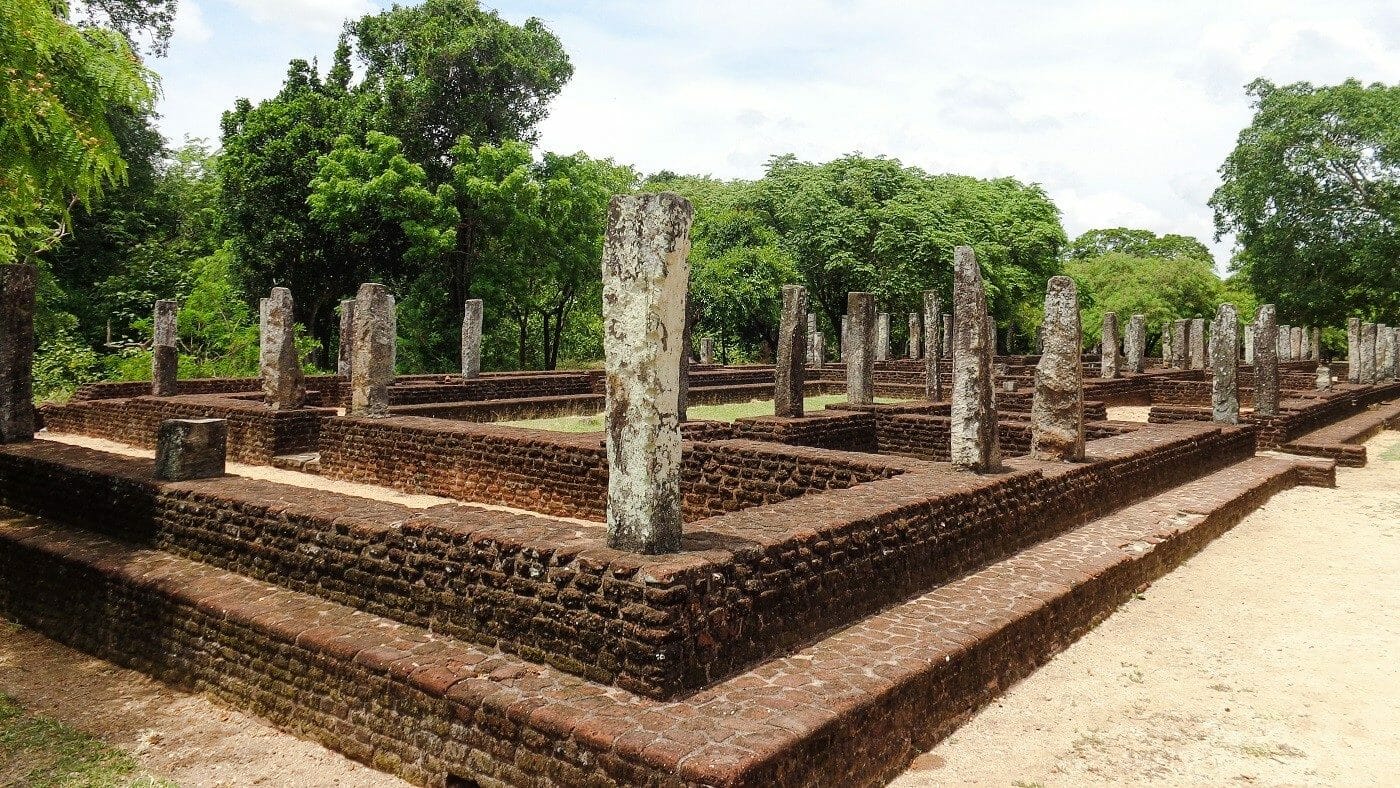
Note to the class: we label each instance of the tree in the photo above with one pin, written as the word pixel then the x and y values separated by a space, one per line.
pixel 1162 288
pixel 62 85
pixel 1138 243
pixel 1312 194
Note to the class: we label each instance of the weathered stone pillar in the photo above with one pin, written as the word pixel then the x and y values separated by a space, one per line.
pixel 1057 407
pixel 1323 379
pixel 347 338
pixel 372 367
pixel 1181 334
pixel 1285 343
pixel 1135 343
pixel 707 350
pixel 818 349
pixel 1265 361
pixel 1385 353
pixel 860 347
pixel 165 359
pixel 789 376
pixel 191 449
pixel 683 369
pixel 947 338
pixel 646 275
pixel 1353 350
pixel 882 336
pixel 1249 344
pixel 973 437
pixel 1197 349
pixel 810 351
pixel 1296 340
pixel 914 331
pixel 1225 361
pixel 1167 344
pixel 933 319
pixel 1108 342
pixel 471 338
pixel 17 289
pixel 1368 353
pixel 1315 344
pixel 844 340
pixel 284 387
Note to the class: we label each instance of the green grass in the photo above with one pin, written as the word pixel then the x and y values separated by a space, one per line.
pixel 1393 453
pixel 729 412
pixel 38 751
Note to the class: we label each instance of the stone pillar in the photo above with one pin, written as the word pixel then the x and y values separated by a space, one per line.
pixel 347 337
pixel 1315 344
pixel 191 449
pixel 914 331
pixel 165 359
pixel 1353 350
pixel 973 438
pixel 1385 353
pixel 372 366
pixel 789 376
pixel 810 352
pixel 1057 407
pixel 844 339
pixel 1285 343
pixel 1323 380
pixel 1249 344
pixel 683 368
pixel 860 344
pixel 646 275
pixel 819 349
pixel 1295 339
pixel 1167 344
pixel 1265 361
pixel 707 350
pixel 1181 335
pixel 933 318
pixel 1109 358
pixel 1135 343
pixel 1368 353
pixel 947 338
pixel 882 336
pixel 1224 359
pixel 1197 350
pixel 17 289
pixel 471 338
pixel 284 387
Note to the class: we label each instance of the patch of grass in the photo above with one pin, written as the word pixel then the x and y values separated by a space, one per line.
pixel 1393 453
pixel 42 752
pixel 728 412
pixel 1272 751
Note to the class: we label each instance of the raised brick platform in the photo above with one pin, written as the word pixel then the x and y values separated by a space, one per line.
pixel 1344 441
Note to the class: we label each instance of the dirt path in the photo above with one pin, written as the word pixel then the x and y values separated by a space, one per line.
pixel 1269 658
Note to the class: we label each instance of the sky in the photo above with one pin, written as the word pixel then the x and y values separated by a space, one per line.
pixel 1123 111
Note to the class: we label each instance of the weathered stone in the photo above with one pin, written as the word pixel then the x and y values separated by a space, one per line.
pixel 347 338
pixel 946 341
pixel 860 347
pixel 191 449
pixel 1296 341
pixel 914 331
pixel 1249 344
pixel 372 366
pixel 1167 344
pixel 1224 359
pixel 973 436
pixel 1135 344
pixel 818 349
pixel 1285 343
pixel 933 349
pixel 1385 353
pixel 1181 336
pixel 707 350
pixel 1197 343
pixel 17 289
pixel 1266 361
pixel 1323 380
pixel 165 359
pixel 646 276
pixel 844 326
pixel 882 336
pixel 1109 359
pixel 284 386
pixel 789 375
pixel 1368 353
pixel 1315 344
pixel 811 338
pixel 1057 407
pixel 472 313
pixel 1353 350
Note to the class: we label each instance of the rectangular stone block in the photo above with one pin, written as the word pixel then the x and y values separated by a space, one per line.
pixel 191 449
pixel 860 347
pixel 17 292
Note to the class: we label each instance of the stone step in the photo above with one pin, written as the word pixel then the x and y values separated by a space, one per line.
pixel 850 709
pixel 307 462
pixel 1343 441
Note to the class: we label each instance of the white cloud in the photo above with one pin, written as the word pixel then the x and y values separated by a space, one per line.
pixel 189 23
pixel 318 15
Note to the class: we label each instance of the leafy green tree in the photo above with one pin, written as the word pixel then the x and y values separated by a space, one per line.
pixel 62 85
pixel 1138 243
pixel 1162 288
pixel 1312 194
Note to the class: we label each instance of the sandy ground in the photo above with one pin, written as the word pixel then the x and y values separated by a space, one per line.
pixel 1270 658
pixel 1128 412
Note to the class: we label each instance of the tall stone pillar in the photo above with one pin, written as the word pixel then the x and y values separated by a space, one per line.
pixel 1135 343
pixel 284 387
pixel 18 285
pixel 1057 407
pixel 1353 350
pixel 947 338
pixel 1181 335
pixel 165 359
pixel 372 366
pixel 819 349
pixel 789 376
pixel 1249 344
pixel 882 336
pixel 845 325
pixel 1285 343
pixel 1315 344
pixel 1109 359
pixel 973 437
pixel 1295 339
pixel 683 367
pixel 1224 359
pixel 860 347
pixel 1167 344
pixel 933 350
pixel 1368 353
pixel 471 338
pixel 646 275
pixel 347 338
pixel 914 331
pixel 1385 353
pixel 707 350
pixel 1197 350
pixel 1266 361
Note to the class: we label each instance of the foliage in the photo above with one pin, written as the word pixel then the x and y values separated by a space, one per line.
pixel 1138 243
pixel 1312 194
pixel 40 751
pixel 62 85
pixel 1163 289
pixel 62 363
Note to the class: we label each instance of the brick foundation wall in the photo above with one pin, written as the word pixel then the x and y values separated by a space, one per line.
pixel 829 429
